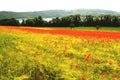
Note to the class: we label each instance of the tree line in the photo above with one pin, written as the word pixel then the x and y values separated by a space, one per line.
pixel 67 21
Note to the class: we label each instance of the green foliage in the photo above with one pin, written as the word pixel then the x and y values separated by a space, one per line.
pixel 37 21
pixel 29 22
pixel 87 20
pixel 11 22
pixel 76 20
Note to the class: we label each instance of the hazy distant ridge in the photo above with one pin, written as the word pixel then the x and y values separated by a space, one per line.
pixel 54 13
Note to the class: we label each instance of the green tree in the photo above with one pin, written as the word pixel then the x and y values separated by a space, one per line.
pixel 38 21
pixel 89 20
pixel 55 22
pixel 115 21
pixel 11 22
pixel 30 22
pixel 77 20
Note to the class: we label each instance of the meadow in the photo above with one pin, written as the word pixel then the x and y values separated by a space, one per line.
pixel 31 54
pixel 100 28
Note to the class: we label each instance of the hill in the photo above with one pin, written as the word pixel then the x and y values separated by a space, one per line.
pixel 54 13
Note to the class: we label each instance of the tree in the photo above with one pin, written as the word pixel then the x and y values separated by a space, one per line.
pixel 14 22
pixel 38 21
pixel 89 20
pixel 115 21
pixel 55 22
pixel 65 21
pixel 11 22
pixel 107 20
pixel 76 20
pixel 30 22
pixel 71 19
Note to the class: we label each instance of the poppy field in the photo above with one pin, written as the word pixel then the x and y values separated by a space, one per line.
pixel 58 54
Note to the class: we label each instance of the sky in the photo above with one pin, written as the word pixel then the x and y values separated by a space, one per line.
pixel 39 5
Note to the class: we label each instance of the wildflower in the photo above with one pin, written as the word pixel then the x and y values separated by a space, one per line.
pixel 119 65
pixel 61 38
pixel 65 49
pixel 97 61
pixel 56 55
pixel 110 63
pixel 76 66
pixel 36 52
pixel 116 76
pixel 34 56
pixel 103 74
pixel 88 57
pixel 68 56
pixel 38 62
pixel 83 78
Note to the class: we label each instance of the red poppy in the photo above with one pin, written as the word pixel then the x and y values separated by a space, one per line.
pixel 97 61
pixel 98 34
pixel 34 56
pixel 116 76
pixel 88 57
pixel 119 65
pixel 76 66
pixel 56 55
pixel 110 63
pixel 103 74
pixel 83 78
pixel 38 62
pixel 68 56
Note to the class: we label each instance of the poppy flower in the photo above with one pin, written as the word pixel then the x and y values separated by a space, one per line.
pixel 119 65
pixel 116 76
pixel 38 62
pixel 76 66
pixel 56 55
pixel 110 63
pixel 103 74
pixel 88 57
pixel 83 78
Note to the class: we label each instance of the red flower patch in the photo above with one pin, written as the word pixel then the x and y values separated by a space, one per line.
pixel 98 34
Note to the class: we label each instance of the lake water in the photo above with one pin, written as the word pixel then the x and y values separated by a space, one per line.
pixel 47 19
pixel 20 19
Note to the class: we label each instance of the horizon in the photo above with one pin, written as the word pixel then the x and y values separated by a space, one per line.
pixel 60 9
pixel 37 5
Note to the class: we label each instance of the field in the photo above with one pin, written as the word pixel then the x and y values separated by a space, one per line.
pixel 101 28
pixel 58 54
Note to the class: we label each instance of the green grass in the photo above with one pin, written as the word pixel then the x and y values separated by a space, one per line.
pixel 32 56
pixel 113 29
pixel 101 28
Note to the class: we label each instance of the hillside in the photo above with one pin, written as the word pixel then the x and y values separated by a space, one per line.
pixel 54 13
